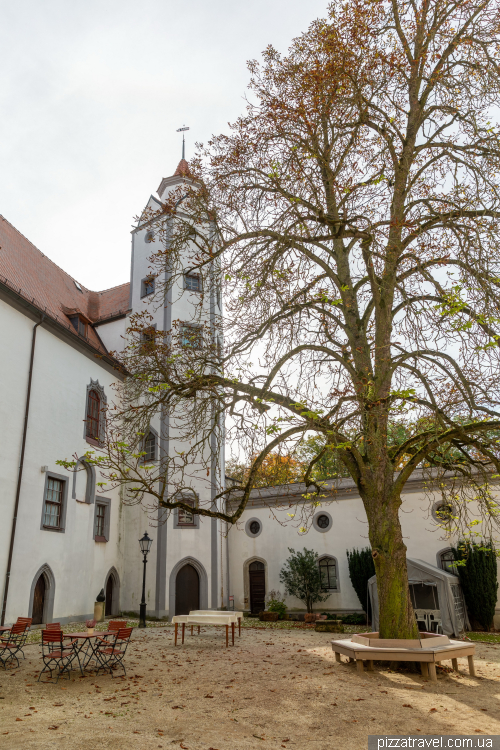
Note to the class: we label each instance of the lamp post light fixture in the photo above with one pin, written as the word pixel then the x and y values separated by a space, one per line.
pixel 145 545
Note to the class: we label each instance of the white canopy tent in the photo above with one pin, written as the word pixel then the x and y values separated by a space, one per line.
pixel 432 590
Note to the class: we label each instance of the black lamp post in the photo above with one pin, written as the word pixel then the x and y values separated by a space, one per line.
pixel 145 544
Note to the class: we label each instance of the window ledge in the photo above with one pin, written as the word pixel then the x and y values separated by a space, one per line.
pixel 92 441
pixel 59 529
pixel 100 539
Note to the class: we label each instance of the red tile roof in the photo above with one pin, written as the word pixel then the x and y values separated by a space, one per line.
pixel 182 169
pixel 36 278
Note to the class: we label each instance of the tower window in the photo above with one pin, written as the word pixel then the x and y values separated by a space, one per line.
pixel 150 448
pixel 191 336
pixel 192 282
pixel 147 286
pixel 185 517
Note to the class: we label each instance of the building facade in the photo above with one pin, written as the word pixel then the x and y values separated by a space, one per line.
pixel 62 540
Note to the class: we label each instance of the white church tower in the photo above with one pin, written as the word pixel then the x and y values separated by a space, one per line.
pixel 187 565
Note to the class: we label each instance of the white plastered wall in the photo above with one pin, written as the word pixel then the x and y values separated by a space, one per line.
pixel 348 530
pixel 61 374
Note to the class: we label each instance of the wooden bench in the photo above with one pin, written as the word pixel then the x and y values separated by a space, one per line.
pixel 429 651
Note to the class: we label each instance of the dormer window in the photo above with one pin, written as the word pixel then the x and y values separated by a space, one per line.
pixel 192 282
pixel 79 324
pixel 147 286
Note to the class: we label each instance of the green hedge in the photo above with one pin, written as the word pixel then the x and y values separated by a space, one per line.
pixel 361 568
pixel 477 569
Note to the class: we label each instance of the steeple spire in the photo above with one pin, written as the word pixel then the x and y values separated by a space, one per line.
pixel 182 130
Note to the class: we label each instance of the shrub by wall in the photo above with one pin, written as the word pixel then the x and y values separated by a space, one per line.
pixel 477 570
pixel 361 568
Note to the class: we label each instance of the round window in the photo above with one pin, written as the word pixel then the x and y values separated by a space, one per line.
pixel 443 513
pixel 254 527
pixel 323 522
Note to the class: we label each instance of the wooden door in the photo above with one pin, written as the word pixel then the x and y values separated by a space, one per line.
pixel 187 590
pixel 257 587
pixel 108 608
pixel 39 601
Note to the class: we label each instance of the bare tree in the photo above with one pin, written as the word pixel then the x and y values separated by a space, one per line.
pixel 353 226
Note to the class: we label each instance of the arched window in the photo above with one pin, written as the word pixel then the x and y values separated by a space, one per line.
pixel 328 571
pixel 93 414
pixel 447 561
pixel 150 447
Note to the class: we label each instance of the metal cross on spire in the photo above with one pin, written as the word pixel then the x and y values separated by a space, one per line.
pixel 181 130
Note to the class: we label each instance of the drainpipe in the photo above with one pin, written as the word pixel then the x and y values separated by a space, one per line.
pixel 20 473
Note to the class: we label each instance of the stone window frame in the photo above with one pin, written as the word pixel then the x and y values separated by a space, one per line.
pixel 315 521
pixel 247 527
pixel 331 557
pixel 436 507
pixel 106 502
pixel 64 503
pixel 188 495
pixel 91 481
pixel 94 385
pixel 50 583
pixel 439 559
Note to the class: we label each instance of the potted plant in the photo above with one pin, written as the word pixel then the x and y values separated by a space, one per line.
pixel 276 603
pixel 90 626
pixel 268 616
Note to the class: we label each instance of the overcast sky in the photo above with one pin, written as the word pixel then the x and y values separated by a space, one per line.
pixel 91 96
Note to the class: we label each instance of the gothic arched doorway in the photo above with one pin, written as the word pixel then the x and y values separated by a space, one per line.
pixel 39 597
pixel 109 597
pixel 187 590
pixel 257 574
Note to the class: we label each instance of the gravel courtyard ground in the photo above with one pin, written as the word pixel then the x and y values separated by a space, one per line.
pixel 276 688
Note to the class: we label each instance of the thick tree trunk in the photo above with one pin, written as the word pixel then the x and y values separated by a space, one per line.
pixel 396 615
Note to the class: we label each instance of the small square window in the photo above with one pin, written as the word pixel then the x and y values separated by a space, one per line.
pixel 147 286
pixel 192 336
pixel 192 282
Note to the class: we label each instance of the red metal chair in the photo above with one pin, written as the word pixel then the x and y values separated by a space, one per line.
pixel 110 651
pixel 117 624
pixel 11 646
pixel 53 626
pixel 24 621
pixel 55 655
